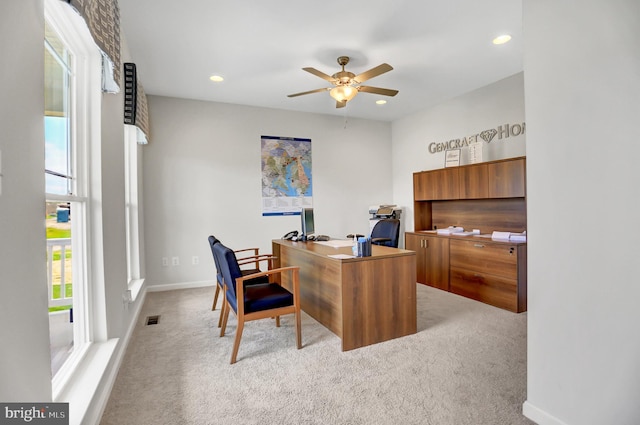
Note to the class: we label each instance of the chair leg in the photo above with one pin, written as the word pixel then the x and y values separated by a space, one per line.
pixel 223 308
pixel 298 330
pixel 224 319
pixel 215 298
pixel 277 321
pixel 236 343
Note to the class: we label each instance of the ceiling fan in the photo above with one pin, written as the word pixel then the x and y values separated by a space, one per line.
pixel 347 84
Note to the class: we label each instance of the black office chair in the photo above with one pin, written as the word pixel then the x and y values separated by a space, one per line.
pixel 386 232
pixel 253 260
pixel 253 302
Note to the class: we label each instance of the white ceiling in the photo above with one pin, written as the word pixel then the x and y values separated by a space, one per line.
pixel 438 49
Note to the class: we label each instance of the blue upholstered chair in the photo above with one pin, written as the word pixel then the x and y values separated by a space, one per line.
pixel 253 302
pixel 252 260
pixel 386 232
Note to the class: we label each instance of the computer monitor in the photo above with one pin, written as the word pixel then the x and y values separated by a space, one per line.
pixel 306 218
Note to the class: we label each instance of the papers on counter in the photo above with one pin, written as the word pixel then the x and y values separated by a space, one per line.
pixel 336 243
pixel 450 230
pixel 508 236
pixel 473 232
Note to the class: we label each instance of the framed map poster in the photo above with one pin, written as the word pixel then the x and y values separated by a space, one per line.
pixel 286 175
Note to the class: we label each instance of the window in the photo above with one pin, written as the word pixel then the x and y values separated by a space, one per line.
pixel 134 272
pixel 71 120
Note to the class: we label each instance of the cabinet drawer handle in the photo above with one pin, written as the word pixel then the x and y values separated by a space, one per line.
pixel 478 245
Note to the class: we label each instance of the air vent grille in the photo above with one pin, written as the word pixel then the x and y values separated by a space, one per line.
pixel 152 320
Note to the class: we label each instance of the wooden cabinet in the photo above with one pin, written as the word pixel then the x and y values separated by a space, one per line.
pixel 487 196
pixel 432 259
pixel 488 271
pixel 507 178
pixel 436 184
pixel 474 181
pixel 496 179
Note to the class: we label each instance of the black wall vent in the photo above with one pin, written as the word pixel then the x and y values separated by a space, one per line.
pixel 153 320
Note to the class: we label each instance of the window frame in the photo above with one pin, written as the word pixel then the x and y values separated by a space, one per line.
pixel 135 278
pixel 85 132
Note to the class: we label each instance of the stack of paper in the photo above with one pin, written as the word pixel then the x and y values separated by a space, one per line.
pixel 508 236
pixel 450 230
pixel 501 236
pixel 473 232
pixel 518 237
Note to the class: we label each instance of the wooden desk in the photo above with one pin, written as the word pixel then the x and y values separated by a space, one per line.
pixel 362 300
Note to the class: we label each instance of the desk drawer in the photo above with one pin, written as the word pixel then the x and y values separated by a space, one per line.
pixel 499 259
pixel 495 290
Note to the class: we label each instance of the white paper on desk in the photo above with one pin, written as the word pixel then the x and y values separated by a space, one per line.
pixel 336 243
pixel 341 256
pixel 501 235
pixel 450 230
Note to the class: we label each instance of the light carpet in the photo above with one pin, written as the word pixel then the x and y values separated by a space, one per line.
pixel 465 365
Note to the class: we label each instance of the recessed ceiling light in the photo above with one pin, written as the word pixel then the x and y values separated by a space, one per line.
pixel 381 102
pixel 501 39
pixel 216 78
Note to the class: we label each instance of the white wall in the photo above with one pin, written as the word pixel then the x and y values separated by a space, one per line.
pixel 25 364
pixel 488 107
pixel 202 176
pixel 582 85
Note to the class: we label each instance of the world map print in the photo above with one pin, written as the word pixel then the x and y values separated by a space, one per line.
pixel 287 183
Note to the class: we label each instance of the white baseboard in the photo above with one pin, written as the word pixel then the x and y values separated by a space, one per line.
pixel 539 416
pixel 184 285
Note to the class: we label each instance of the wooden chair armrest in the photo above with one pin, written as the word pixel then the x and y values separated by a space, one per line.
pixel 254 258
pixel 267 273
pixel 256 251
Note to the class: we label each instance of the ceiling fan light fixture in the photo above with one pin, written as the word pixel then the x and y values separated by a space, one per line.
pixel 343 93
pixel 501 39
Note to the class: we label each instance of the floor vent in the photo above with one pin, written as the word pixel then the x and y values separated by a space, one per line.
pixel 153 320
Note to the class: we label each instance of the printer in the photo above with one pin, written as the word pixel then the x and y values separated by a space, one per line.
pixel 380 212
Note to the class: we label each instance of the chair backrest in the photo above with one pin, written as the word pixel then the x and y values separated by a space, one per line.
pixel 213 241
pixel 387 228
pixel 229 267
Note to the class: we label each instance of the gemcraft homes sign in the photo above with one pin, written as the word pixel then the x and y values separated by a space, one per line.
pixel 502 132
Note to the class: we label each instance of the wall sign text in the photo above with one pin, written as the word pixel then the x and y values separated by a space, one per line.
pixel 502 131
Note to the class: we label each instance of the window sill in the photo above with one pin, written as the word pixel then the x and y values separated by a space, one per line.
pixel 82 386
pixel 135 286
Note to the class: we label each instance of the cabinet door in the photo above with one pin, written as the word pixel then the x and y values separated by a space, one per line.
pixel 436 185
pixel 499 259
pixel 474 181
pixel 432 259
pixel 494 290
pixel 437 262
pixel 507 179
pixel 415 243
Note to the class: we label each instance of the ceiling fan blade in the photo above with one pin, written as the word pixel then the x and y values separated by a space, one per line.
pixel 341 104
pixel 378 90
pixel 320 74
pixel 309 92
pixel 373 72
